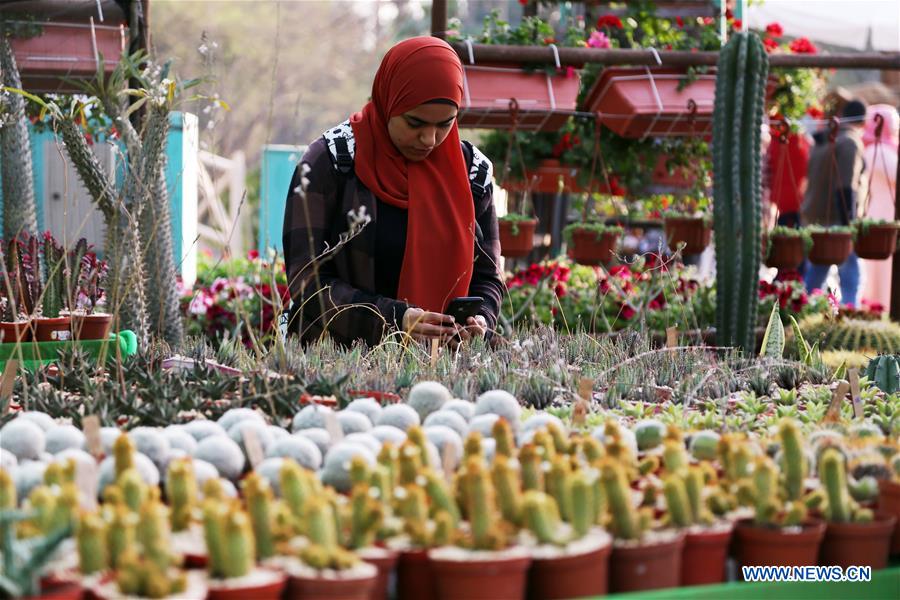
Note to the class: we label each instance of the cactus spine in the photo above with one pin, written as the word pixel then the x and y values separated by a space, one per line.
pixel 740 81
pixel 181 488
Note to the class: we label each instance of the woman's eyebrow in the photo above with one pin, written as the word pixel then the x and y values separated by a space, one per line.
pixel 419 121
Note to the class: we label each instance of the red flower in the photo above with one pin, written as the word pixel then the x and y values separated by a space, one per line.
pixel 815 112
pixel 737 24
pixel 252 254
pixel 770 44
pixel 803 46
pixel 614 188
pixel 627 312
pixel 729 14
pixel 620 271
pixel 559 290
pixel 774 30
pixel 679 21
pixel 610 21
pixel 523 2
pixel 549 40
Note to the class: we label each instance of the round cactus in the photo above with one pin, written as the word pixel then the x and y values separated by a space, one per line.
pixel 704 445
pixel 270 470
pixel 277 433
pixel 8 460
pixel 223 453
pixel 312 415
pixel 502 403
pixel 81 458
pixel 41 419
pixel 318 436
pixel 367 406
pixel 541 420
pixel 145 468
pixel 24 438
pixel 627 436
pixel 28 475
pixel 864 430
pixel 151 442
pixel 202 429
pixel 400 416
pixel 63 437
pixel 448 418
pixel 229 489
pixel 444 437
pixel 336 471
pixel 465 408
pixel 353 422
pixel 649 433
pixel 366 439
pixel 300 448
pixel 427 397
pixel 203 471
pixel 259 428
pixel 388 433
pixel 483 424
pixel 180 439
pixel 108 437
pixel 489 447
pixel 233 416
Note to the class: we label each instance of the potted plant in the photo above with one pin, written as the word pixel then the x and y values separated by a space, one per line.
pixel 88 323
pixel 875 239
pixel 24 559
pixel 889 499
pixel 854 535
pixel 592 242
pixel 20 289
pixel 688 223
pixel 51 324
pixel 831 245
pixel 516 234
pixel 781 533
pixel 784 248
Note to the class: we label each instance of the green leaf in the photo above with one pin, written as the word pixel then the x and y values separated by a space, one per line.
pixel 773 340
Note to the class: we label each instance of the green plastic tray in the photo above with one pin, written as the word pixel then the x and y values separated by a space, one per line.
pixel 885 585
pixel 32 355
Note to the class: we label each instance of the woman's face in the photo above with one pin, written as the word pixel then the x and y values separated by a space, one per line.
pixel 417 132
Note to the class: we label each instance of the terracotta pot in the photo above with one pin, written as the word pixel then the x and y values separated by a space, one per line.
pixel 499 577
pixel 573 576
pixel 57 329
pixel 548 175
pixel 647 566
pixel 268 590
pixel 91 327
pixel 786 252
pixel 384 561
pixel 381 396
pixel 876 242
pixel 889 503
pixel 830 248
pixel 764 546
pixel 320 588
pixel 681 177
pixel 694 232
pixel 13 332
pixel 635 102
pixel 195 561
pixel 544 101
pixel 415 576
pixel 590 249
pixel 59 591
pixel 864 544
pixel 517 244
pixel 704 556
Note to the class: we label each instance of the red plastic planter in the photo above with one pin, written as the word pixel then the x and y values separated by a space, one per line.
pixel 830 248
pixel 14 332
pixel 764 546
pixel 704 556
pixel 91 327
pixel 577 576
pixel 415 576
pixel 889 502
pixel 520 243
pixel 636 102
pixel 488 579
pixel 588 248
pixel 647 566
pixel 867 544
pixel 876 242
pixel 693 232
pixel 57 329
pixel 543 101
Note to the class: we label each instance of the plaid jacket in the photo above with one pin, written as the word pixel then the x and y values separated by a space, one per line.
pixel 336 293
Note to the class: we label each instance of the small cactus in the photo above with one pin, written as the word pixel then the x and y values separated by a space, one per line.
pixel 481 507
pixel 531 461
pixel 840 507
pixel 259 498
pixel 508 485
pixel 627 522
pixel 677 501
pixel 121 534
pixel 794 460
pixel 89 538
pixel 181 489
pixel 541 517
pixel 506 443
pixel 123 451
pixel 239 546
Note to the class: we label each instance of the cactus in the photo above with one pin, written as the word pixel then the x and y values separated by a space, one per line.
pixel 627 522
pixel 134 490
pixel 503 435
pixel 123 451
pixel 884 372
pixel 840 507
pixel 90 541
pixel 480 501
pixel 674 456
pixel 765 491
pixel 258 495
pixel 794 461
pixel 139 577
pixel 153 535
pixel 8 499
pixel 845 333
pixel 367 515
pixel 121 533
pixel 54 297
pixel 558 485
pixel 677 501
pixel 740 83
pixel 541 517
pixel 297 485
pixel 506 481
pixel 441 498
pixel 323 551
pixel 181 489
pixel 581 493
pixel 229 539
pixel 532 468
pixel 561 443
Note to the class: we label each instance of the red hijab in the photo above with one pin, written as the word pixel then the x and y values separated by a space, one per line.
pixel 437 264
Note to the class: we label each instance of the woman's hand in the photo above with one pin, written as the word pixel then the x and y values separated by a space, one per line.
pixel 423 325
pixel 475 327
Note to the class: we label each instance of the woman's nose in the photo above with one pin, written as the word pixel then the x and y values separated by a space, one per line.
pixel 428 137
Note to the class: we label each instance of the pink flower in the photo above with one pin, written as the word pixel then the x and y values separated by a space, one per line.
pixel 252 254
pixel 598 39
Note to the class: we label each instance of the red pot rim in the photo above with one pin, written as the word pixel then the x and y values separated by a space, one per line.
pixel 52 320
pixel 810 529
pixel 710 536
pixel 882 524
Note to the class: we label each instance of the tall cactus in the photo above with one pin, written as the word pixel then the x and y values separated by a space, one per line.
pixel 16 170
pixel 740 97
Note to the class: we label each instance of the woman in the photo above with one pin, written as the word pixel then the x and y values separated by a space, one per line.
pixel 433 233
pixel 881 166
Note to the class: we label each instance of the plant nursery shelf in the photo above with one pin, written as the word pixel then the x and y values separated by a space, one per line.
pixel 35 354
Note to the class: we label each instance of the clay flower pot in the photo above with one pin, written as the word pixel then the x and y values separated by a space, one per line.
pixel 13 332
pixel 415 577
pixel 830 247
pixel 259 584
pixel 694 232
pixel 649 565
pixel 788 547
pixel 591 248
pixel 380 396
pixel 543 180
pixel 876 242
pixel 678 178
pixel 578 571
pixel 56 329
pixel 91 327
pixel 889 503
pixel 466 575
pixel 783 252
pixel 59 591
pixel 865 544
pixel 384 560
pixel 108 589
pixel 517 238
pixel 704 555
pixel 343 586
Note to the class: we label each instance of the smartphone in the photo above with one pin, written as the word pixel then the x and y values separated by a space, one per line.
pixel 464 307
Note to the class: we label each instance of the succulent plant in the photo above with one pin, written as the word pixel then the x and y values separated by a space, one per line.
pixel 25 560
pixel 336 469
pixel 367 406
pixel 229 539
pixel 501 403
pixel 884 372
pixel 324 551
pixel 427 397
pixel 479 498
pixel 182 492
pixel 448 418
pixel 626 521
pixel 401 416
pixel 840 507
pixel 223 453
pixel 23 438
pixel 649 433
pixel 259 498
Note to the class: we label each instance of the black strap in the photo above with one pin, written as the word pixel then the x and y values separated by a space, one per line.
pixel 343 158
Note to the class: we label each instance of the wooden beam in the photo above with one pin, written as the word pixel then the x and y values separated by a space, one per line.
pixel 518 55
pixel 439 19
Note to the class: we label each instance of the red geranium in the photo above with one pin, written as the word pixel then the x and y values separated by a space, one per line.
pixel 774 30
pixel 737 24
pixel 803 46
pixel 679 21
pixel 627 312
pixel 770 44
pixel 610 21
pixel 815 112
pixel 252 254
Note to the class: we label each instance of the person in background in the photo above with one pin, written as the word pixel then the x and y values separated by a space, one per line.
pixel 881 166
pixel 787 161
pixel 834 177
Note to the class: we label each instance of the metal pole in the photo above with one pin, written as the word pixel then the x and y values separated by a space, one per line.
pixel 520 55
pixel 439 18
pixel 895 275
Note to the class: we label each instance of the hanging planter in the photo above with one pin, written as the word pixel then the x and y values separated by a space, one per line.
pixel 694 232
pixel 831 246
pixel 637 102
pixel 516 236
pixel 876 240
pixel 680 177
pixel 784 248
pixel 551 175
pixel 498 97
pixel 592 243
